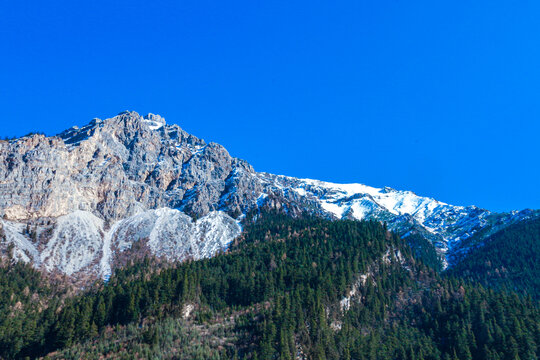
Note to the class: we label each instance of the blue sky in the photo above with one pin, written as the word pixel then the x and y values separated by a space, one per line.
pixel 441 98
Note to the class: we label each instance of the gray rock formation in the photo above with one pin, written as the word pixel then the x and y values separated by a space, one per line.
pixel 117 167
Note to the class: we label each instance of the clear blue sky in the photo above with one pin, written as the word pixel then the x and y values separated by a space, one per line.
pixel 441 98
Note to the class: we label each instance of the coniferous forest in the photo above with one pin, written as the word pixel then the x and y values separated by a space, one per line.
pixel 303 288
pixel 509 259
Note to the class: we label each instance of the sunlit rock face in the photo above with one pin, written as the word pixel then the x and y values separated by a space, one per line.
pixel 61 196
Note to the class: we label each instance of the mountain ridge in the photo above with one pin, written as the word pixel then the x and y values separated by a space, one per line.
pixel 106 175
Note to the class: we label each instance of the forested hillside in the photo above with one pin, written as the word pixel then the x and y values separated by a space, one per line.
pixel 287 289
pixel 508 259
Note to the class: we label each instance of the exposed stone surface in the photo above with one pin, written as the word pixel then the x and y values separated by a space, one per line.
pixel 79 184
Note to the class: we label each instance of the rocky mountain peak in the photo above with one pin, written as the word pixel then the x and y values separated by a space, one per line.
pixel 154 121
pixel 129 122
pixel 74 202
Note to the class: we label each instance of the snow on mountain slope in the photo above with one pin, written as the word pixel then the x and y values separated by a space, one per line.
pixel 154 122
pixel 358 201
pixel 404 211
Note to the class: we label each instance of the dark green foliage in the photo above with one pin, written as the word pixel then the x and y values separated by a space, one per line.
pixel 424 250
pixel 301 256
pixel 508 259
pixel 473 322
pixel 26 310
pixel 166 339
pixel 277 294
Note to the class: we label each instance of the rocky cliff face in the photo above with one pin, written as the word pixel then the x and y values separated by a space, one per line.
pixel 69 202
pixel 116 168
pixel 73 203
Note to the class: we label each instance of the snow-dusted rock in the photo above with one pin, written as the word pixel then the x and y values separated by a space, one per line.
pixel 404 211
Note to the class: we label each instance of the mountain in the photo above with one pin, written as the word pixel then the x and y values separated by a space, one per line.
pixel 405 212
pixel 506 259
pixel 82 202
pixel 290 288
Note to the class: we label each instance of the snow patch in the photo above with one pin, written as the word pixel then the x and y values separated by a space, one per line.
pixel 154 122
pixel 153 125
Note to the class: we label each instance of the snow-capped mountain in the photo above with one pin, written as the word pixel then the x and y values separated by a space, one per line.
pixel 77 202
pixel 404 211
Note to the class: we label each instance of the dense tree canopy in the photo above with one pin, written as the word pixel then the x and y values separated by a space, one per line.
pixel 287 288
pixel 508 259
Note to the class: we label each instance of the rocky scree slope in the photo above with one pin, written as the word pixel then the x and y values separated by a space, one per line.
pixel 76 202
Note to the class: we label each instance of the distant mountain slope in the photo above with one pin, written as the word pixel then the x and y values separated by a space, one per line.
pixel 73 203
pixel 509 258
pixel 404 211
